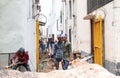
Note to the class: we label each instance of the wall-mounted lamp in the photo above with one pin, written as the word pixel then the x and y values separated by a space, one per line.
pixel 41 17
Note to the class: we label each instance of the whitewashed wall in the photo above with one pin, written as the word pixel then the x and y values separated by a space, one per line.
pixel 12 22
pixel 54 16
pixel 17 29
pixel 109 32
pixel 81 32
pixel 30 42
pixel 112 35
pixel 111 26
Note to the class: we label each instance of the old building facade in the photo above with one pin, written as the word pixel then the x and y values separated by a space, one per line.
pixel 93 27
pixel 18 29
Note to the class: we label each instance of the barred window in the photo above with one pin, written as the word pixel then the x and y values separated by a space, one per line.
pixel 36 1
pixel 95 4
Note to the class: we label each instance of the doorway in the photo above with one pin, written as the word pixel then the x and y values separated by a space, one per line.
pixel 97 39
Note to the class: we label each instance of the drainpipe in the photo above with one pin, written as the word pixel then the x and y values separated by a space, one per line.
pixel 72 27
pixel 116 8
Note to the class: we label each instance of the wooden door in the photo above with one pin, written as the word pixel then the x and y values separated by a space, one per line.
pixel 97 30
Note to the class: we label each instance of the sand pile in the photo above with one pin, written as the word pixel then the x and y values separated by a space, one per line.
pixel 80 70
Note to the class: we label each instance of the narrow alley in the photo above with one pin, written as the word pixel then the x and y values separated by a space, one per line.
pixel 60 38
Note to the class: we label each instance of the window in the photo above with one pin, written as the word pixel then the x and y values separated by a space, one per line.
pixel 61 17
pixel 70 9
pixel 95 4
pixel 36 1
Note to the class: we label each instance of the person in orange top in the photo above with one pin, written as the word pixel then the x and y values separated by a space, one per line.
pixel 22 59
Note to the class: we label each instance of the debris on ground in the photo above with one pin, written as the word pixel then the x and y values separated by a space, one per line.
pixel 48 65
pixel 80 70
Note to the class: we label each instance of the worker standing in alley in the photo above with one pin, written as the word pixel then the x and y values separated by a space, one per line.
pixel 58 51
pixel 51 47
pixel 67 52
pixel 23 58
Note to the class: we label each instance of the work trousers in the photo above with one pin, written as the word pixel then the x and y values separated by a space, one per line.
pixel 65 64
pixel 26 65
pixel 57 62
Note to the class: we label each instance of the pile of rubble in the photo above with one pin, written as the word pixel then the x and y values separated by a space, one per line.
pixel 79 69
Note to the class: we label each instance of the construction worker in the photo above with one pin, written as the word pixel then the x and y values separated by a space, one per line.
pixel 66 53
pixel 58 51
pixel 23 58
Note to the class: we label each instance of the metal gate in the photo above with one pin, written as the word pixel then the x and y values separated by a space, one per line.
pixel 98 41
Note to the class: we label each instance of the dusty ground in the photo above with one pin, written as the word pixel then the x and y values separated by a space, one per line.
pixel 80 70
